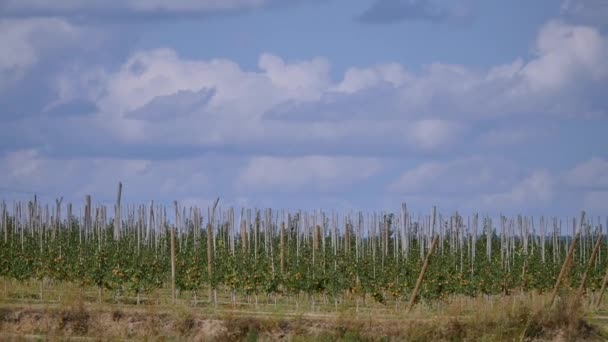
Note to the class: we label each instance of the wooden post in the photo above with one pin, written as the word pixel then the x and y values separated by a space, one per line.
pixel 57 222
pixel 524 269
pixel 567 261
pixel 173 263
pixel 117 215
pixel 386 234
pixel 346 237
pixel 422 272
pixel 5 221
pixel 87 213
pixel 69 218
pixel 596 248
pixel 244 232
pixel 602 289
pixel 283 248
pixel 209 255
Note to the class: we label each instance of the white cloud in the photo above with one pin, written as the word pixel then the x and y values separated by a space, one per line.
pixel 152 84
pixel 170 107
pixel 304 80
pixel 567 53
pixel 582 186
pixel 458 177
pixel 22 42
pixel 535 191
pixel 495 184
pixel 306 173
pixel 161 72
pixel 568 62
pixel 159 100
pixel 23 164
pixel 357 79
pixel 590 174
pixel 74 177
pixel 433 133
pixel 383 106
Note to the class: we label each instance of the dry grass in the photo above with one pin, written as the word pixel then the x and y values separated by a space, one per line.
pixel 520 317
pixel 517 322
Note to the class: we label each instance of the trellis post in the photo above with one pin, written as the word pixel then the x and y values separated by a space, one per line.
pixel 422 272
pixel 173 263
pixel 596 248
pixel 567 261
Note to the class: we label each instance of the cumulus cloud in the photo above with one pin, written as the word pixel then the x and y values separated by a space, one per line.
pixel 37 54
pixel 295 105
pixel 24 42
pixel 303 80
pixel 357 79
pixel 499 184
pixel 31 170
pixel 170 107
pixel 433 133
pixel 567 54
pixel 162 72
pixel 563 78
pixel 591 174
pixel 582 186
pixel 534 191
pixel 164 123
pixel 458 177
pixel 283 106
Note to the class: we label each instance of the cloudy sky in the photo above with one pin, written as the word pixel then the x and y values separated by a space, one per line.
pixel 471 105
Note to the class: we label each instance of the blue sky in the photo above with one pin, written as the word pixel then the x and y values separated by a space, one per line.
pixel 490 106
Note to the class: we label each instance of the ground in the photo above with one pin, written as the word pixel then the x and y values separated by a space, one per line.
pixel 68 312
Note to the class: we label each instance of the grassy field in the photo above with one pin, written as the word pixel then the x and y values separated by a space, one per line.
pixel 69 312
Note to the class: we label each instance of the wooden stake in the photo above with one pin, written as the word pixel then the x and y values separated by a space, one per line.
pixel 283 248
pixel 596 248
pixel 422 272
pixel 173 263
pixel 57 223
pixel 87 213
pixel 567 261
pixel 117 214
pixel 5 221
pixel 602 289
pixel 209 254
pixel 524 269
